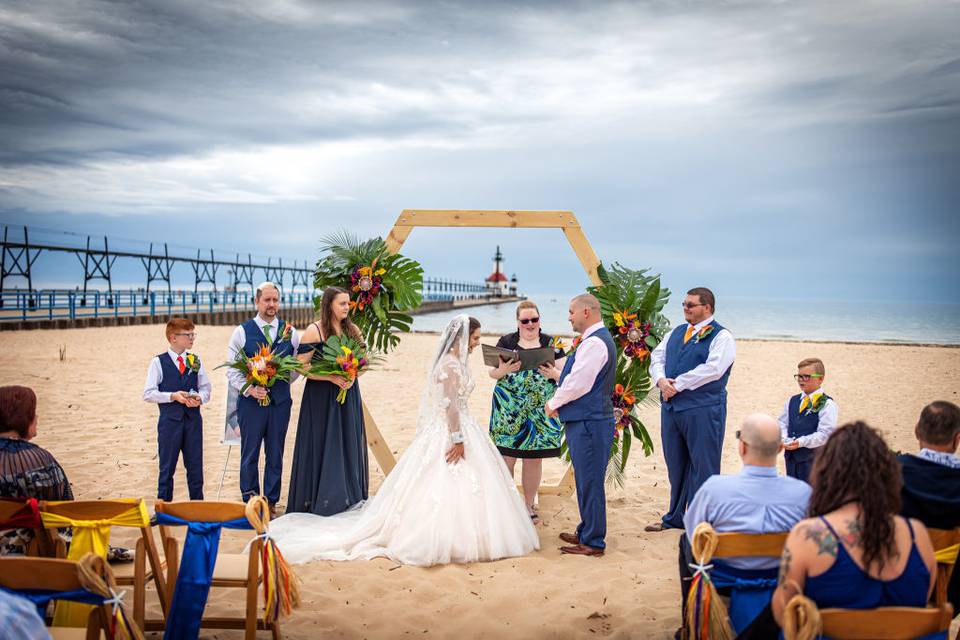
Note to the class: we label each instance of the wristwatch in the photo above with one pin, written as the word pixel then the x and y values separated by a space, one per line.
pixel 457 437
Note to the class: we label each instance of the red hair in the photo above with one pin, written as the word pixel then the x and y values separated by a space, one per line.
pixel 18 409
pixel 179 324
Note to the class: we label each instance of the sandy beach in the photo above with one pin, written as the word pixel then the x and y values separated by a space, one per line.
pixel 93 420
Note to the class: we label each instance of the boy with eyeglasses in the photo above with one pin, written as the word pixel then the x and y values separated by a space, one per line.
pixel 807 420
pixel 178 384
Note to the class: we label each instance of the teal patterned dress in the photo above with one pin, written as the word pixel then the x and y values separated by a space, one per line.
pixel 518 425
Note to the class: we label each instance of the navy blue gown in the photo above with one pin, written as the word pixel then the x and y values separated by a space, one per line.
pixel 330 468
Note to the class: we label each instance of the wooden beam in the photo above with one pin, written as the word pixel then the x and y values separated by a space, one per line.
pixel 581 246
pixel 397 236
pixel 375 441
pixel 479 218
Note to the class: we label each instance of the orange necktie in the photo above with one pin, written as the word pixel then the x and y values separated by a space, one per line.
pixel 180 364
pixel 690 331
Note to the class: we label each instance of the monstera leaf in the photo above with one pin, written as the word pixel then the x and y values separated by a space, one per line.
pixel 383 286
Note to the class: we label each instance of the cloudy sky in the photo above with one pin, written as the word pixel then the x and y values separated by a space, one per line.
pixel 766 149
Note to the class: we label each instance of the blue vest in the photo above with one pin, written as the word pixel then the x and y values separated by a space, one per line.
pixel 172 382
pixel 280 391
pixel 801 425
pixel 685 357
pixel 596 404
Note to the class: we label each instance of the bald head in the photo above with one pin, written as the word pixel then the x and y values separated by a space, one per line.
pixel 761 435
pixel 584 312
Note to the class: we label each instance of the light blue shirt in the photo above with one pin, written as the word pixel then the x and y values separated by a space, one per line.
pixel 756 500
pixel 19 619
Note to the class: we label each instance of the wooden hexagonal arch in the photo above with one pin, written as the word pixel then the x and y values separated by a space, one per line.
pixel 411 218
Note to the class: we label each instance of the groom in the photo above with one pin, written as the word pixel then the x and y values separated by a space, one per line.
pixel 583 402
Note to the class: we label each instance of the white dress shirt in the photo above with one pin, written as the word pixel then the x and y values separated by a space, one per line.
pixel 722 352
pixel 239 337
pixel 155 376
pixel 591 356
pixel 825 426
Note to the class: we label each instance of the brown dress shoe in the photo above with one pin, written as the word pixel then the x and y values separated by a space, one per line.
pixel 655 527
pixel 570 538
pixel 582 550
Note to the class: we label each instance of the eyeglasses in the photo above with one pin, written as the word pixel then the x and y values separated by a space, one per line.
pixel 804 377
pixel 736 434
pixel 188 335
pixel 692 305
pixel 529 320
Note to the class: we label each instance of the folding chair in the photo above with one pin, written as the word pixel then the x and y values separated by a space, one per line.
pixel 89 519
pixel 885 623
pixel 231 570
pixel 48 577
pixel 946 544
pixel 24 513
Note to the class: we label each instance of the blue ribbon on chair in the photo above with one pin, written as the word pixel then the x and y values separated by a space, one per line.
pixel 195 574
pixel 750 591
pixel 42 597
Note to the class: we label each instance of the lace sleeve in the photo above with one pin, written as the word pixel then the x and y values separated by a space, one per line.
pixel 451 382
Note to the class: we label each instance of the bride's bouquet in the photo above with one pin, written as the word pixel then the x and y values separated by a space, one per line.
pixel 341 356
pixel 263 369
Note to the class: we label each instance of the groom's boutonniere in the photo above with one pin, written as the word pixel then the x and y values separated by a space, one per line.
pixel 707 330
pixel 287 332
pixel 193 363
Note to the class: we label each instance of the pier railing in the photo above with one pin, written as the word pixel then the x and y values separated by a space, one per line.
pixel 53 304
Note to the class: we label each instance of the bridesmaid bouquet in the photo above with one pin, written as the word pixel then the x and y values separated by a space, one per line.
pixel 263 369
pixel 341 356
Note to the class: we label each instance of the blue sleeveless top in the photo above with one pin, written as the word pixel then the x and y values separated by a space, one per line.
pixel 846 586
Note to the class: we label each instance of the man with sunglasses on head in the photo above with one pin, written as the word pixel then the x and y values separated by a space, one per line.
pixel 807 420
pixel 691 368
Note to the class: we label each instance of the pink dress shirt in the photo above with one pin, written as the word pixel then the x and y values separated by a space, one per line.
pixel 591 356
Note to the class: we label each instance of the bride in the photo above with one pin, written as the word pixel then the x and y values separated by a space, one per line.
pixel 449 499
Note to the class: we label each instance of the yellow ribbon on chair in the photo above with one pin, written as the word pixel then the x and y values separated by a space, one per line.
pixel 90 536
pixel 948 555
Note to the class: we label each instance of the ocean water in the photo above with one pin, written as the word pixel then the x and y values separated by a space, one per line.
pixel 770 319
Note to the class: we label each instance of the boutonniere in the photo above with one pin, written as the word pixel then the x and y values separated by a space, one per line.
pixel 287 332
pixel 193 363
pixel 707 330
pixel 813 404
pixel 573 347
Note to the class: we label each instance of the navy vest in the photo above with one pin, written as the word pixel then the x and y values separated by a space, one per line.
pixel 596 404
pixel 280 391
pixel 172 381
pixel 685 357
pixel 801 424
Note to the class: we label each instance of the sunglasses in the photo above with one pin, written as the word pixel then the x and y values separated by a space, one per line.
pixel 529 321
pixel 692 305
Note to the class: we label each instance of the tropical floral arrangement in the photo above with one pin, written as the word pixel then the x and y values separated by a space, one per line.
pixel 383 286
pixel 341 356
pixel 192 363
pixel 631 304
pixel 263 369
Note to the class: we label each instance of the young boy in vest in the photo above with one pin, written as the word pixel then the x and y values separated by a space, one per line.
pixel 178 383
pixel 807 420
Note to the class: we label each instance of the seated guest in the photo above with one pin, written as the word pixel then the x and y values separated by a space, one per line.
pixel 931 479
pixel 756 500
pixel 856 552
pixel 26 470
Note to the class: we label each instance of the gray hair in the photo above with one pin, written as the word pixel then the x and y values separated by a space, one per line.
pixel 265 285
pixel 762 433
pixel 586 300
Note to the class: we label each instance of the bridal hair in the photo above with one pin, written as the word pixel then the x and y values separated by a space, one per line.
pixel 472 323
pixel 18 409
pixel 265 285
pixel 347 327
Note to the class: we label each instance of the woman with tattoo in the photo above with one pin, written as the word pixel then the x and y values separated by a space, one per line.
pixel 855 552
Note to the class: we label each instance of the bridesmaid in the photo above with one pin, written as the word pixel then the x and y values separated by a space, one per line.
pixel 330 468
pixel 518 425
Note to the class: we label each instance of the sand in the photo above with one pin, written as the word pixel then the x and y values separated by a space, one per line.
pixel 93 420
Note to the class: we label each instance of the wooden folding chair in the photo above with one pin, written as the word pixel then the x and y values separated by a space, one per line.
pixel 16 513
pixel 136 574
pixel 232 570
pixel 754 545
pixel 942 540
pixel 885 623
pixel 19 573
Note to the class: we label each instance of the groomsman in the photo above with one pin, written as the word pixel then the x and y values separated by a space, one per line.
pixel 691 367
pixel 260 425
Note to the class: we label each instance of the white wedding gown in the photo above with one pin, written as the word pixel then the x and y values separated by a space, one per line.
pixel 427 511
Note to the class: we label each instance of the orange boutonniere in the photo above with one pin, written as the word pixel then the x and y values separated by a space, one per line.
pixel 706 331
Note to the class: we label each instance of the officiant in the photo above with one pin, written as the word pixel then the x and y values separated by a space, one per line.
pixel 518 425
